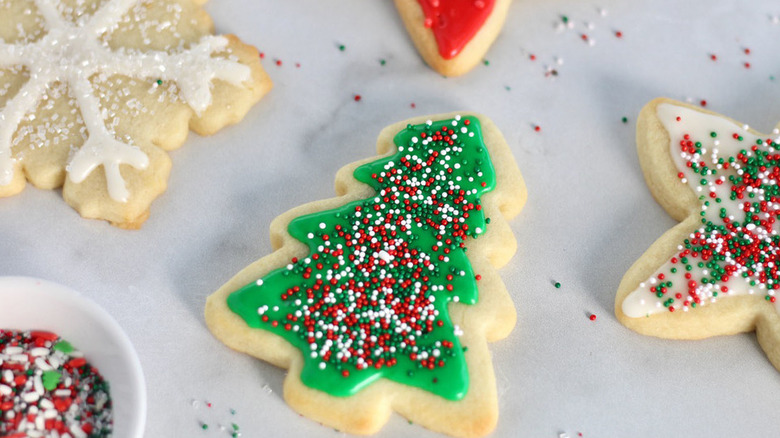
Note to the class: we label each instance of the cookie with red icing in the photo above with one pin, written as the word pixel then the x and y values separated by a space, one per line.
pixel 453 35
pixel 718 271
pixel 384 298
pixel 93 93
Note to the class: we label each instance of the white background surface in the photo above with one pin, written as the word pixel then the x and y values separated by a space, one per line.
pixel 588 217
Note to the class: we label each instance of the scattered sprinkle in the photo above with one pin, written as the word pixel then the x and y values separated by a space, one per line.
pixel 557 285
pixel 624 120
pixel 357 97
pixel 592 316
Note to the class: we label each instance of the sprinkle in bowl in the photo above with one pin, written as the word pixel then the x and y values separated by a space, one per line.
pixel 33 304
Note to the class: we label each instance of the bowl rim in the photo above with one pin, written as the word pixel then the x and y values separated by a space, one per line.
pixel 46 288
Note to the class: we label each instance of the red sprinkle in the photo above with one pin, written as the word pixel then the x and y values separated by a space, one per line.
pixel 592 317
pixel 357 98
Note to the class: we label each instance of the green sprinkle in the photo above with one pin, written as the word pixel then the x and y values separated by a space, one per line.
pixel 159 81
pixel 486 62
pixel 557 285
pixel 235 426
pixel 564 18
pixel 342 47
pixel 63 346
pixel 51 379
pixel 382 62
pixel 624 119
pixel 204 426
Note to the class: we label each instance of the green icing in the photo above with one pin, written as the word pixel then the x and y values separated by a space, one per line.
pixel 370 299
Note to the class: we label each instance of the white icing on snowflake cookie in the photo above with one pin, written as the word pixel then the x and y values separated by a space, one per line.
pixel 106 84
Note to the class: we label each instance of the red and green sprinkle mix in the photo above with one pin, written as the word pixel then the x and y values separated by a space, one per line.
pixel 737 244
pixel 48 389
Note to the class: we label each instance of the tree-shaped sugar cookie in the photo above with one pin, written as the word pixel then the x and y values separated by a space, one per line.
pixel 384 298
pixel 716 273
pixel 111 85
pixel 453 36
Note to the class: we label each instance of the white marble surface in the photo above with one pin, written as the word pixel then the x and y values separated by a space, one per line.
pixel 589 214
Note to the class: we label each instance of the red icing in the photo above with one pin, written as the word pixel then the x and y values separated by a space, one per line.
pixel 455 22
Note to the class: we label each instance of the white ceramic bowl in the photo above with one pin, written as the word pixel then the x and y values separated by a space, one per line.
pixel 29 303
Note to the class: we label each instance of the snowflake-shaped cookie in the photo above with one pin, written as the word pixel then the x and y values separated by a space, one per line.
pixel 89 84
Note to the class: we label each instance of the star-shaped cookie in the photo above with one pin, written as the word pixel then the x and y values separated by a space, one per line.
pixel 718 271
